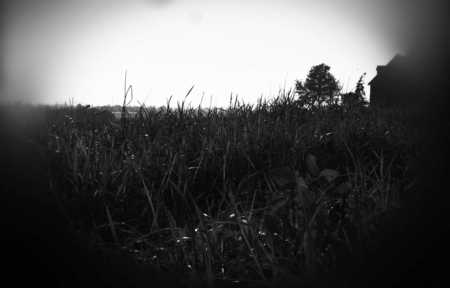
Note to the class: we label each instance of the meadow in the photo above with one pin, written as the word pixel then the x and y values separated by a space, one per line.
pixel 251 192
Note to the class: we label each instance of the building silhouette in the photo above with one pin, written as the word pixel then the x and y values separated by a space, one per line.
pixel 392 84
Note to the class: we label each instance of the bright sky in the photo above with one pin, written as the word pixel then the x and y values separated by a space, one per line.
pixel 57 51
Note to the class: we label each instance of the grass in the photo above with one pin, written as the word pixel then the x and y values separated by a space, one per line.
pixel 245 193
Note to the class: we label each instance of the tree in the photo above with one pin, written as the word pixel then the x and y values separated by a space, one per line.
pixel 355 98
pixel 359 90
pixel 319 88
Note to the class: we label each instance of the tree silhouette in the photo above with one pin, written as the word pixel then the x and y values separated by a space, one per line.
pixel 319 88
pixel 359 90
pixel 356 98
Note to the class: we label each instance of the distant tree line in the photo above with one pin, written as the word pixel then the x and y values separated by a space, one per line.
pixel 321 89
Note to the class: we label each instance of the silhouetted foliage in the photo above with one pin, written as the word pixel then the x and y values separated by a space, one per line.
pixel 356 98
pixel 359 90
pixel 319 88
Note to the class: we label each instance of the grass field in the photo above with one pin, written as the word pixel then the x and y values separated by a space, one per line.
pixel 247 193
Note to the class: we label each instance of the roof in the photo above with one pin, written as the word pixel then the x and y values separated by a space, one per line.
pixel 396 61
pixel 374 79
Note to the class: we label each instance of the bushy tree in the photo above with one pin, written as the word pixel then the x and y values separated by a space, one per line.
pixel 319 88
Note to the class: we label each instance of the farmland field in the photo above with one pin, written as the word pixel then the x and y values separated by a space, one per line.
pixel 249 193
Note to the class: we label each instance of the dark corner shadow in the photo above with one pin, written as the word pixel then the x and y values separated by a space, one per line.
pixel 39 247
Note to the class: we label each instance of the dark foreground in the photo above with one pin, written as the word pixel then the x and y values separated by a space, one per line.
pixel 40 247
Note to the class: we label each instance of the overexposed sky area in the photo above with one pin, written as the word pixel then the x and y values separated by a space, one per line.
pixel 61 51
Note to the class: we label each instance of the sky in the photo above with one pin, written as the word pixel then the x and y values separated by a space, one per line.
pixel 57 52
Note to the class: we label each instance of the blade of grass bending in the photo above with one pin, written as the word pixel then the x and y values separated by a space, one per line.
pixel 150 202
pixel 111 225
